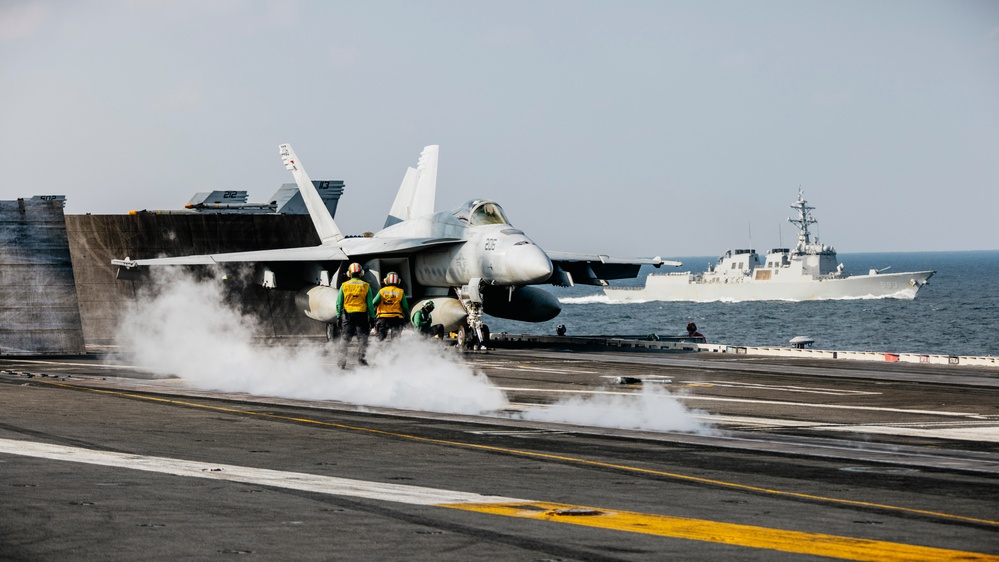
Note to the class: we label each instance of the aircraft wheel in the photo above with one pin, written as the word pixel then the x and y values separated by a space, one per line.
pixel 485 336
pixel 332 331
pixel 464 337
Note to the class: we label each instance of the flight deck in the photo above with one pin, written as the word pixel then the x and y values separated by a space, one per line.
pixel 799 458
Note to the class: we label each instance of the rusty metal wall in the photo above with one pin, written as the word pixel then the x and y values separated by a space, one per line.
pixel 38 300
pixel 94 240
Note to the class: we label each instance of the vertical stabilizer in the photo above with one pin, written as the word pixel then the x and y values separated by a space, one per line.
pixel 418 191
pixel 289 200
pixel 328 231
pixel 400 210
pixel 218 197
pixel 426 184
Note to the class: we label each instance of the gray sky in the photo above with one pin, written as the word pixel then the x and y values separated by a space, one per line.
pixel 629 128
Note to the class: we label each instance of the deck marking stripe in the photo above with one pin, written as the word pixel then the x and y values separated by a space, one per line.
pixel 786 388
pixel 967 430
pixel 415 495
pixel 817 544
pixel 628 521
pixel 67 364
pixel 687 397
pixel 534 454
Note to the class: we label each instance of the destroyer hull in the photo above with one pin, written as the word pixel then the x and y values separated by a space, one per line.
pixel 685 287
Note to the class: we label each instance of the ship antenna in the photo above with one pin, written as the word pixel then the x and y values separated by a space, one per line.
pixel 804 219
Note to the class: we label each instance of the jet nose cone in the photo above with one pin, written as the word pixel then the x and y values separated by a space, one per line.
pixel 530 264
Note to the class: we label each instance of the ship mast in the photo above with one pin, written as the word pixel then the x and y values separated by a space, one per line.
pixel 804 219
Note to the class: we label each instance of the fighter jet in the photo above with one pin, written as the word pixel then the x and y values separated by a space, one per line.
pixel 287 200
pixel 470 261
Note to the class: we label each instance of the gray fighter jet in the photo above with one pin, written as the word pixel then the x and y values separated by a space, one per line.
pixel 469 261
pixel 287 200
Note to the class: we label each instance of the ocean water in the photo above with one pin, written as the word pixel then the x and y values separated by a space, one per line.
pixel 957 313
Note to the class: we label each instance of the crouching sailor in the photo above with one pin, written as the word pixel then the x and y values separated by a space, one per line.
pixel 423 321
pixel 354 308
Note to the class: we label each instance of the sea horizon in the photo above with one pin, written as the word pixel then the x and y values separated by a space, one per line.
pixel 956 313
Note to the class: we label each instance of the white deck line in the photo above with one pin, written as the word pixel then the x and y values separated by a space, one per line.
pixel 690 397
pixel 985 431
pixel 414 495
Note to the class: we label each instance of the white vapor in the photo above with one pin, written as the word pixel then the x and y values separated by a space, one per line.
pixel 186 328
pixel 654 409
pixel 183 327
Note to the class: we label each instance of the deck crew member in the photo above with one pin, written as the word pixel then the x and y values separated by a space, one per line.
pixel 391 307
pixel 355 309
pixel 693 334
pixel 423 321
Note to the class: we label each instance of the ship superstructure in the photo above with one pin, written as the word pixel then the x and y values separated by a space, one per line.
pixel 809 271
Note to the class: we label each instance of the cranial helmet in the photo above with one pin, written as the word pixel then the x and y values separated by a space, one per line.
pixel 392 278
pixel 429 307
pixel 355 270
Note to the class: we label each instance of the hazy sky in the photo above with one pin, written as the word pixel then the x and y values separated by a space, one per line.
pixel 625 127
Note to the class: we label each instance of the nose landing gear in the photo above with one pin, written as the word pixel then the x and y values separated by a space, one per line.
pixel 473 334
pixel 469 338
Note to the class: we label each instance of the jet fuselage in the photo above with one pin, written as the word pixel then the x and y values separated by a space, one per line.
pixel 499 254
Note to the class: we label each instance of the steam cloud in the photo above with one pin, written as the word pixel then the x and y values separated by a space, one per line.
pixel 183 327
pixel 654 409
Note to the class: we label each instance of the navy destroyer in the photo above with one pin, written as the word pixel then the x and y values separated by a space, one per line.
pixel 809 271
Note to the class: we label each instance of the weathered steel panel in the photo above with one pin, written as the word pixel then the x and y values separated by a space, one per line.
pixel 39 313
pixel 97 239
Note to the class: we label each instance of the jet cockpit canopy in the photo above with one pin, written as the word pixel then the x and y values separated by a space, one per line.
pixel 480 211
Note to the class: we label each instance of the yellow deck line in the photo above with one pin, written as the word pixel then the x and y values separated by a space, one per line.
pixel 548 456
pixel 626 521
pixel 798 542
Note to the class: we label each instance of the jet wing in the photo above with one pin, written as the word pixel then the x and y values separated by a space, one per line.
pixel 358 247
pixel 351 248
pixel 595 269
pixel 313 253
